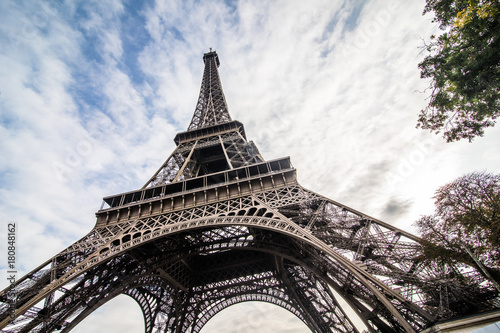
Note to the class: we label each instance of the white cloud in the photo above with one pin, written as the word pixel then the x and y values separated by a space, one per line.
pixel 259 317
pixel 104 319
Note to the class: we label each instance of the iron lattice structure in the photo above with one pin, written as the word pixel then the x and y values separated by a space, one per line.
pixel 218 225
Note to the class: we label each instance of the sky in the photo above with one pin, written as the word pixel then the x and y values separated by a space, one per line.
pixel 92 94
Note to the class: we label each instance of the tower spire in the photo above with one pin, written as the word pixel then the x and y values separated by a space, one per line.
pixel 211 108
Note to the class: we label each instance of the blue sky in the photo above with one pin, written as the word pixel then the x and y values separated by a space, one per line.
pixel 92 94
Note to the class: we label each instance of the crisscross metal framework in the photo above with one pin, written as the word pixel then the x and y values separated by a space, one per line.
pixel 218 225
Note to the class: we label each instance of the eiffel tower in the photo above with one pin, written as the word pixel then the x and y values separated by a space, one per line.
pixel 217 225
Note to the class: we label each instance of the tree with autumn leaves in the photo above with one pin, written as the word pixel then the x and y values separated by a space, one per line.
pixel 463 64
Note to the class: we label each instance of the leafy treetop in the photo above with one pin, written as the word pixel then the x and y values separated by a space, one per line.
pixel 464 67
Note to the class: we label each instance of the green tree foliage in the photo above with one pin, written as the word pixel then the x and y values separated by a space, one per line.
pixel 464 67
pixel 467 216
